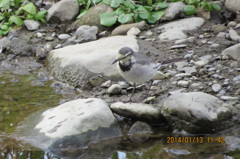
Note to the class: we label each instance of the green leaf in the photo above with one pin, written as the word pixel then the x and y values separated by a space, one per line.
pixel 82 12
pixel 209 6
pixel 155 16
pixel 96 1
pixel 5 4
pixel 1 18
pixel 16 20
pixel 4 27
pixel 119 11
pixel 108 19
pixel 88 4
pixel 124 18
pixel 129 4
pixel 116 3
pixel 143 13
pixel 30 8
pixel 108 2
pixel 40 15
pixel 162 5
pixel 190 9
pixel 17 2
pixel 216 7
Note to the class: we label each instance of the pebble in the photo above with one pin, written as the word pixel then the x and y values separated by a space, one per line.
pixel 232 24
pixel 64 36
pixel 49 38
pixel 236 79
pixel 114 89
pixel 234 35
pixel 216 87
pixel 39 35
pixel 183 83
pixel 215 45
pixel 58 46
pixel 201 63
pixel 201 36
pixel 123 84
pixel 237 26
pixel 48 47
pixel 133 31
pixel 149 99
pixel 221 35
pixel 196 86
pixel 106 84
pixel 183 75
pixel 178 46
pixel 181 41
pixel 191 39
pixel 229 98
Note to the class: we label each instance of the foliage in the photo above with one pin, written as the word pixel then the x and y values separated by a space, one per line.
pixel 149 10
pixel 13 12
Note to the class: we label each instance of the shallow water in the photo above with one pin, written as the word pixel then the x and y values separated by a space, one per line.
pixel 21 96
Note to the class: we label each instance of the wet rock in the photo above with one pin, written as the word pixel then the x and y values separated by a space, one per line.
pixel 234 35
pixel 73 124
pixel 86 33
pixel 216 87
pixel 31 25
pixel 139 132
pixel 60 12
pixel 64 36
pixel 114 89
pixel 233 52
pixel 173 11
pixel 136 110
pixel 75 64
pixel 197 112
pixel 218 28
pixel 123 29
pixel 174 30
pixel 232 5
pixel 92 17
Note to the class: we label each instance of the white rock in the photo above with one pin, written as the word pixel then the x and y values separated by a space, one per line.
pixel 87 33
pixel 232 5
pixel 75 117
pixel 133 31
pixel 233 52
pixel 173 11
pixel 31 25
pixel 182 83
pixel 136 110
pixel 114 89
pixel 234 35
pixel 216 87
pixel 64 36
pixel 174 30
pixel 229 98
pixel 75 64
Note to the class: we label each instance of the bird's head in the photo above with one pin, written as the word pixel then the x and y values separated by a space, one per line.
pixel 124 55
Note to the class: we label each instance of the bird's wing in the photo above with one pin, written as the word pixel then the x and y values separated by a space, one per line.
pixel 142 59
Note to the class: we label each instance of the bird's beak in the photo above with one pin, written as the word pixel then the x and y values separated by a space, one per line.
pixel 115 61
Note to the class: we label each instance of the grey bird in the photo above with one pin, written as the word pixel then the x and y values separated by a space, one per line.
pixel 135 67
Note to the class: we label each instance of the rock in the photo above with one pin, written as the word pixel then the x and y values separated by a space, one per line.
pixel 4 44
pixel 86 33
pixel 229 98
pixel 232 142
pixel 133 31
pixel 139 132
pixel 232 5
pixel 174 30
pixel 180 41
pixel 203 13
pixel 216 87
pixel 40 52
pixel 136 110
pixel 75 64
pixel 178 46
pixel 92 17
pixel 73 124
pixel 123 29
pixel 173 11
pixel 234 35
pixel 183 83
pixel 236 79
pixel 221 35
pixel 233 52
pixel 232 24
pixel 197 112
pixel 31 25
pixel 64 36
pixel 114 89
pixel 218 28
pixel 198 85
pixel 60 12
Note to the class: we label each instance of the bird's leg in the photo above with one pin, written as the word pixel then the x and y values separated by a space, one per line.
pixel 134 87
pixel 150 85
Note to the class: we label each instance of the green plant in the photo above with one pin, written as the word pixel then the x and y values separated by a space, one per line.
pixel 13 12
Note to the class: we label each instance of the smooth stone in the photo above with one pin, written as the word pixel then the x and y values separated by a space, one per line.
pixel 106 84
pixel 231 24
pixel 236 79
pixel 197 112
pixel 173 11
pixel 86 33
pixel 234 35
pixel 31 25
pixel 114 89
pixel 60 12
pixel 139 132
pixel 232 5
pixel 191 39
pixel 198 85
pixel 221 35
pixel 201 63
pixel 64 36
pixel 233 52
pixel 182 83
pixel 218 28
pixel 216 87
pixel 174 30
pixel 178 46
pixel 229 98
pixel 133 31
pixel 136 110
pixel 180 41
pixel 75 64
pixel 123 29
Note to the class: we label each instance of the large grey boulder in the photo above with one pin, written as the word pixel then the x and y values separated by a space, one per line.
pixel 232 5
pixel 73 124
pixel 63 11
pixel 233 52
pixel 75 64
pixel 174 30
pixel 173 11
pixel 197 112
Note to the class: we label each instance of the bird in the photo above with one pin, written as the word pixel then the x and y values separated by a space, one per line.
pixel 135 67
